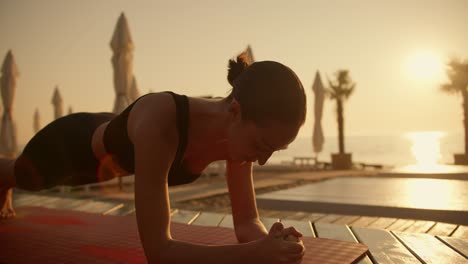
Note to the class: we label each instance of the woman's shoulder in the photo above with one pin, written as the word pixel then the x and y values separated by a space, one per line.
pixel 154 102
pixel 152 112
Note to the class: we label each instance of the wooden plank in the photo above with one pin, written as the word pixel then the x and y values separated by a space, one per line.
pixel 382 223
pixel 383 246
pixel 124 210
pixel 346 220
pixel 68 203
pixel 304 216
pixel 127 209
pixel 334 231
pixel 271 213
pixel 442 229
pixel 223 210
pixel 184 216
pixel 420 227
pixel 52 202
pixel 329 218
pixel 304 227
pixel 96 207
pixel 227 221
pixel 115 208
pixel 208 219
pixel 338 232
pixel 461 232
pixel 23 198
pixel 364 221
pixel 35 200
pixel 458 244
pixel 429 249
pixel 46 201
pixel 401 224
pixel 131 212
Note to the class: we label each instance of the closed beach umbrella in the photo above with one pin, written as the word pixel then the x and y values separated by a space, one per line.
pixel 250 55
pixel 319 92
pixel 58 103
pixel 134 92
pixel 36 121
pixel 8 143
pixel 122 62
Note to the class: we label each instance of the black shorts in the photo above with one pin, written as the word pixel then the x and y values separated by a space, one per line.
pixel 61 153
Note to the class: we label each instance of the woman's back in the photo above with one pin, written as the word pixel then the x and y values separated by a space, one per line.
pixel 118 144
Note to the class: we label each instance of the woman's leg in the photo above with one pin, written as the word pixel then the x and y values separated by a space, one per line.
pixel 59 154
pixel 7 182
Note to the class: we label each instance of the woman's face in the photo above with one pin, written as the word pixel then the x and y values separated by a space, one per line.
pixel 251 142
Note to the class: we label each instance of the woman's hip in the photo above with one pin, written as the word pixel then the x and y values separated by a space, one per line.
pixel 61 153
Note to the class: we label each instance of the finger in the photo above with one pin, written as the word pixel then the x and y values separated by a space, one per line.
pixel 276 227
pixel 291 231
pixel 294 248
pixel 291 238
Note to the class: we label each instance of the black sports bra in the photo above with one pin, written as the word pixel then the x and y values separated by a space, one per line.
pixel 118 144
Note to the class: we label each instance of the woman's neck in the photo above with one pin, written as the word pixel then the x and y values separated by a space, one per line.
pixel 207 138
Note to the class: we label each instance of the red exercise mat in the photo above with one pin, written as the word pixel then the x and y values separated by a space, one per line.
pixel 41 235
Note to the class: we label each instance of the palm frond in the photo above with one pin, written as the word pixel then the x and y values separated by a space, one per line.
pixel 457 73
pixel 332 90
pixel 449 88
pixel 350 91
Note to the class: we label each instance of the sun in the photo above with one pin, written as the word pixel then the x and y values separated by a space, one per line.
pixel 425 66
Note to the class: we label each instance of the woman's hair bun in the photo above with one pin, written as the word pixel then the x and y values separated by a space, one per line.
pixel 236 67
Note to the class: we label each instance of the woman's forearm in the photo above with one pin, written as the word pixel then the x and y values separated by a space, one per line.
pixel 177 251
pixel 250 231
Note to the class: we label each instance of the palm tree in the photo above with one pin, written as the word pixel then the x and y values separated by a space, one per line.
pixel 340 90
pixel 457 73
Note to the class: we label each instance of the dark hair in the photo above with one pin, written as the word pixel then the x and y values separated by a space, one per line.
pixel 267 90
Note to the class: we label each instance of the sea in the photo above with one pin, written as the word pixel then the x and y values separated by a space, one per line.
pixel 428 147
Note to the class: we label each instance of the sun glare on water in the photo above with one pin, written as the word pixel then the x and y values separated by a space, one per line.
pixel 425 147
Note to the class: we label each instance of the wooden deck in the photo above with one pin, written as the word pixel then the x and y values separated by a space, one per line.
pixel 390 240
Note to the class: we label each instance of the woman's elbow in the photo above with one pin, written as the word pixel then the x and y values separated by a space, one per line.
pixel 159 252
pixel 242 235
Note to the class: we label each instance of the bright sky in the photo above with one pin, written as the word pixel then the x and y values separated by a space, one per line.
pixel 395 51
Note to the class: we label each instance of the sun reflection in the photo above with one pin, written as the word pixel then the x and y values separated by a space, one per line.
pixel 425 147
pixel 431 194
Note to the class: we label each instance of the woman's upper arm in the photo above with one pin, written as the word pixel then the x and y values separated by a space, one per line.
pixel 155 141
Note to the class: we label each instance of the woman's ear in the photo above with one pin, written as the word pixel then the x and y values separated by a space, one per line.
pixel 235 110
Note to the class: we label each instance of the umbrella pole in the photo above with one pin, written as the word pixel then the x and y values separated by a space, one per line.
pixel 316 158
